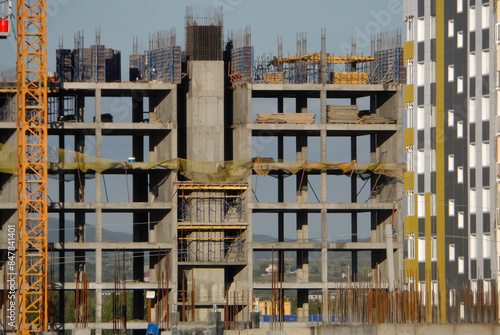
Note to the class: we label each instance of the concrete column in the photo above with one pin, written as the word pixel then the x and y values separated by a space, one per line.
pixel 98 215
pixel 98 95
pixel 354 215
pixel 205 111
pixel 324 199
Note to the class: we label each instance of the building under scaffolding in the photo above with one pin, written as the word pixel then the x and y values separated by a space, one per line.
pixel 185 221
pixel 161 62
pixel 94 64
pixel 388 52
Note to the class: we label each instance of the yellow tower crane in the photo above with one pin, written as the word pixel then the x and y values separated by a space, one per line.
pixel 32 165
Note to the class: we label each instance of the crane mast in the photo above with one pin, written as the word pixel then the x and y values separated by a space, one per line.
pixel 32 165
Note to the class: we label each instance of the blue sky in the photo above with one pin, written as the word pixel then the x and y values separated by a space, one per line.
pixel 120 20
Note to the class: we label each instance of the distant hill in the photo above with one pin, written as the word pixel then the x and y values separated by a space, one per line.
pixel 107 235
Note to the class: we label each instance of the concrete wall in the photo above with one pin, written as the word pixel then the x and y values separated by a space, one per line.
pixel 205 111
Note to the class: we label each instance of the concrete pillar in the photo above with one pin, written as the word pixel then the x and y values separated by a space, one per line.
pixel 205 111
pixel 98 215
pixel 302 305
pixel 354 215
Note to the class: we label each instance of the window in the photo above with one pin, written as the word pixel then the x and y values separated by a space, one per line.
pixel 451 118
pixel 472 155
pixel 486 199
pixel 473 246
pixel 472 110
pixel 434 244
pixel 451 73
pixel 460 175
pixel 435 293
pixel 497 33
pixel 410 28
pixel 451 252
pixel 411 202
pixel 421 249
pixel 433 71
pixel 460 265
pixel 460 84
pixel 409 115
pixel 460 129
pixel 460 39
pixel 409 158
pixel 485 108
pixel 472 65
pixel 485 16
pixel 433 27
pixel 421 205
pixel 411 246
pixel 472 201
pixel 451 28
pixel 460 220
pixel 422 291
pixel 421 30
pixel 433 160
pixel 420 74
pixel 462 309
pixel 420 161
pixel 460 6
pixel 409 72
pixel 485 155
pixel 473 289
pixel 486 245
pixel 433 116
pixel 451 162
pixel 451 298
pixel 485 58
pixel 451 207
pixel 472 19
pixel 420 118
pixel 433 205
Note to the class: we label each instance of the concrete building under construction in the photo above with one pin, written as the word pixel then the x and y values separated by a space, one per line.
pixel 291 162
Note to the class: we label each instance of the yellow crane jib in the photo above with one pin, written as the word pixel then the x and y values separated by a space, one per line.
pixel 316 57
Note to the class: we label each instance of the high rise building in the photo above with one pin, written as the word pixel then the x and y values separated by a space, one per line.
pixel 451 104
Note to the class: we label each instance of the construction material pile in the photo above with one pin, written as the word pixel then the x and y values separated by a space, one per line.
pixel 342 114
pixel 297 118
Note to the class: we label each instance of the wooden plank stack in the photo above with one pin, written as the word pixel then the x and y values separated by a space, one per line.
pixel 342 114
pixel 298 118
pixel 274 78
pixel 373 119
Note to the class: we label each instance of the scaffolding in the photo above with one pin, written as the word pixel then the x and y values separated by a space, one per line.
pixel 94 64
pixel 308 68
pixel 210 215
pixel 242 56
pixel 161 62
pixel 388 52
pixel 204 33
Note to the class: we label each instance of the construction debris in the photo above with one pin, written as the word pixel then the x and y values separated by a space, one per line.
pixel 274 78
pixel 298 118
pixel 342 114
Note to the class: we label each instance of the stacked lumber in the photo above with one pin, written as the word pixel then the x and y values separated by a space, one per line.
pixel 274 78
pixel 350 78
pixel 298 118
pixel 373 119
pixel 342 114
